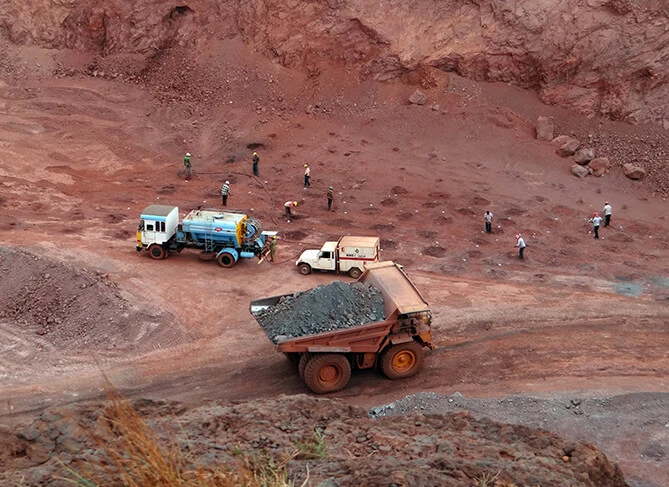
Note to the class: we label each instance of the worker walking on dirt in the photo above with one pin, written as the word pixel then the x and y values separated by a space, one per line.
pixel 330 196
pixel 288 205
pixel 187 166
pixel 607 214
pixel 307 176
pixel 520 243
pixel 256 160
pixel 596 220
pixel 272 248
pixel 225 191
pixel 488 221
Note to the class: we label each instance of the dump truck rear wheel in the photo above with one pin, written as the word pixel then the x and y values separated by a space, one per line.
pixel 402 360
pixel 225 260
pixel 355 273
pixel 305 269
pixel 157 252
pixel 304 359
pixel 327 372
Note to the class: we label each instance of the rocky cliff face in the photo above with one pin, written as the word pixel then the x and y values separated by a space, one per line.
pixel 597 56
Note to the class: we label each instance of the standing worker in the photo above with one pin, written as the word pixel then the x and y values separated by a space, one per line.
pixel 596 220
pixel 225 191
pixel 187 165
pixel 330 196
pixel 520 243
pixel 272 248
pixel 307 176
pixel 256 160
pixel 607 214
pixel 488 221
pixel 287 205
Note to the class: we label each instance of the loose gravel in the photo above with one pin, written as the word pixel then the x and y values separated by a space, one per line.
pixel 326 308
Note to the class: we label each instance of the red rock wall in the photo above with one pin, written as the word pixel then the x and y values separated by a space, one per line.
pixel 596 56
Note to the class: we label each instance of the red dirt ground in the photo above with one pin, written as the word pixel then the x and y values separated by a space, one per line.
pixel 83 156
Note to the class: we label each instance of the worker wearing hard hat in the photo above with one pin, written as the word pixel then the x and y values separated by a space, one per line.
pixel 256 160
pixel 187 166
pixel 288 205
pixel 225 191
pixel 520 243
pixel 307 176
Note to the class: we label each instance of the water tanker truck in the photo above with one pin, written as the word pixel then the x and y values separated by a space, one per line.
pixel 357 336
pixel 225 236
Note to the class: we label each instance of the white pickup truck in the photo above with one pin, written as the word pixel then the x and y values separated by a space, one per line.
pixel 348 254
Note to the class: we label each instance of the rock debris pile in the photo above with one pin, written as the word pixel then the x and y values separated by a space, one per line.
pixel 326 308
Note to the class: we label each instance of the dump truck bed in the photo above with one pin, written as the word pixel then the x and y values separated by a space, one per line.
pixel 400 297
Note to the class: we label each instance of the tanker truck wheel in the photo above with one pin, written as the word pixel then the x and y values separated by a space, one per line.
pixel 225 260
pixel 327 372
pixel 157 252
pixel 305 269
pixel 355 273
pixel 402 360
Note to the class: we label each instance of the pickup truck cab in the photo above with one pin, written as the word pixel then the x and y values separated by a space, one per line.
pixel 348 254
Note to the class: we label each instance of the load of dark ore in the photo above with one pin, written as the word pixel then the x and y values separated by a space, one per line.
pixel 326 308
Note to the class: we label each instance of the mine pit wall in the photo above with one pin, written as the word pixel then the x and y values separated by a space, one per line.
pixel 603 57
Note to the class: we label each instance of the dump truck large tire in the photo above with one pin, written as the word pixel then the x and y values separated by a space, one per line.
pixel 304 359
pixel 354 272
pixel 402 360
pixel 157 252
pixel 226 260
pixel 327 372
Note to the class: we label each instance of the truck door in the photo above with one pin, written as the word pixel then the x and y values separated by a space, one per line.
pixel 149 232
pixel 326 260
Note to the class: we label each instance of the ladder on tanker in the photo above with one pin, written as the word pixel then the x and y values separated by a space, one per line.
pixel 208 239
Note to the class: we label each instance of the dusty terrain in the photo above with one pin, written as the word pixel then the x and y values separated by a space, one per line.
pixel 83 153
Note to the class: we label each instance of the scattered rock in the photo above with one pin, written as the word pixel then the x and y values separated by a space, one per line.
pixel 583 156
pixel 545 128
pixel 600 166
pixel 560 140
pixel 634 172
pixel 579 171
pixel 418 98
pixel 568 148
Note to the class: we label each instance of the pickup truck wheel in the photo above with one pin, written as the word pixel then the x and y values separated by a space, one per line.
pixel 305 269
pixel 402 360
pixel 157 252
pixel 225 260
pixel 327 372
pixel 355 273
pixel 304 359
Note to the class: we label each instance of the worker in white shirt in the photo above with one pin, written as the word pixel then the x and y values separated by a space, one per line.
pixel 288 205
pixel 596 220
pixel 488 221
pixel 307 176
pixel 520 243
pixel 607 214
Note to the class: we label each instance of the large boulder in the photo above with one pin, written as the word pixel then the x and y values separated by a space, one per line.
pixel 579 171
pixel 568 148
pixel 560 140
pixel 599 166
pixel 545 128
pixel 418 98
pixel 634 172
pixel 583 156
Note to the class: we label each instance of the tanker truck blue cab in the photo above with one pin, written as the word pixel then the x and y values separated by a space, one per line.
pixel 225 236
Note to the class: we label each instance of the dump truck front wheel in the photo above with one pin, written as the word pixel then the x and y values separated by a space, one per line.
pixel 402 360
pixel 305 269
pixel 157 252
pixel 225 260
pixel 304 359
pixel 327 372
pixel 355 273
